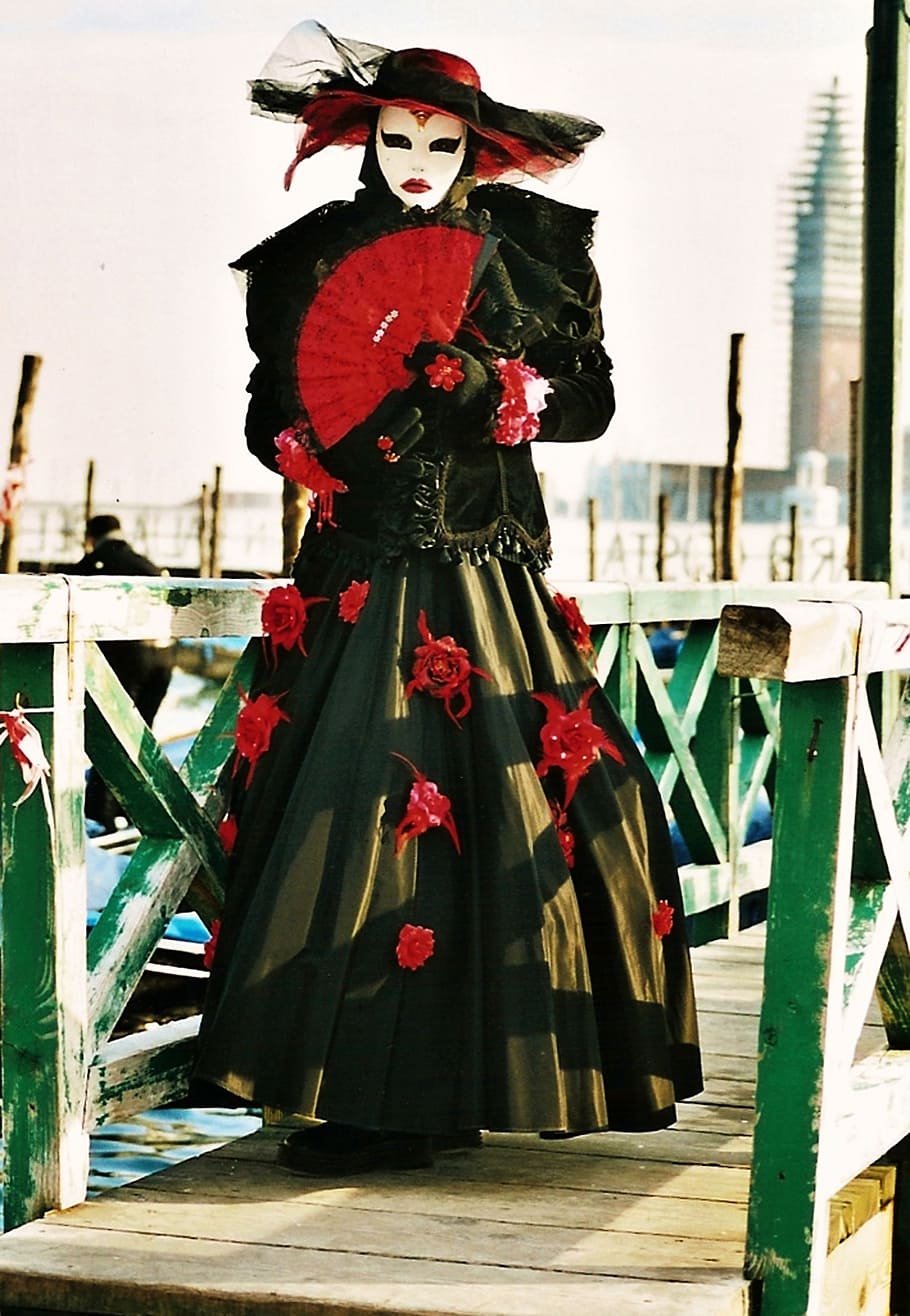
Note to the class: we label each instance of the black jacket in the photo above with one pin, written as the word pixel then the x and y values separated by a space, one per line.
pixel 458 493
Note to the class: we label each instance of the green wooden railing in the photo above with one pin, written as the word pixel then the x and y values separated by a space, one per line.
pixel 710 740
pixel 829 1102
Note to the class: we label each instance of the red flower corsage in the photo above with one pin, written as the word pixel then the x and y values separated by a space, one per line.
pixel 285 615
pixel 579 629
pixel 297 462
pixel 571 740
pixel 662 918
pixel 415 946
pixel 445 372
pixel 427 807
pixel 352 599
pixel 564 832
pixel 208 950
pixel 442 669
pixel 256 721
pixel 227 833
pixel 524 394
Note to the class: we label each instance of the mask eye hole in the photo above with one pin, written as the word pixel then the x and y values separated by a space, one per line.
pixel 396 141
pixel 445 145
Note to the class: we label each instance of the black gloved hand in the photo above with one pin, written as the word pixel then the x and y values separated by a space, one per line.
pixel 389 433
pixel 458 392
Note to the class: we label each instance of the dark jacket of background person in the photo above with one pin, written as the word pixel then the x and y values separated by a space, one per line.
pixel 143 667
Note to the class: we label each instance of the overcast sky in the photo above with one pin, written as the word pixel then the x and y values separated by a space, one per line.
pixel 134 173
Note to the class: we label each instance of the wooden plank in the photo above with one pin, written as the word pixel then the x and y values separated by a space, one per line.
pixel 792 642
pixel 33 609
pixel 141 1071
pixel 129 1274
pixel 443 1202
pixel 160 875
pixel 857 1275
pixel 159 608
pixel 788 1224
pixel 872 1116
pixel 43 948
pixel 525 1159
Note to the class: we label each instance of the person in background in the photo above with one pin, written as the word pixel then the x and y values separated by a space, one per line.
pixel 143 667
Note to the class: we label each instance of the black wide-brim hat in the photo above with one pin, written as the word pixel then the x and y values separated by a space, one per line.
pixel 333 88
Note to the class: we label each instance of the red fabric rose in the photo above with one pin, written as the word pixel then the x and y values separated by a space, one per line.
pixel 415 946
pixel 564 833
pixel 579 629
pixel 227 833
pixel 442 669
pixel 297 462
pixel 208 951
pixel 285 615
pixel 352 599
pixel 445 372
pixel 662 918
pixel 427 807
pixel 571 740
pixel 256 721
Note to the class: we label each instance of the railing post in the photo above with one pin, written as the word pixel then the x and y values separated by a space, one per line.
pixel 42 1013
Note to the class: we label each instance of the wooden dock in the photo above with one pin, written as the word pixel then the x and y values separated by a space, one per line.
pixel 521 1227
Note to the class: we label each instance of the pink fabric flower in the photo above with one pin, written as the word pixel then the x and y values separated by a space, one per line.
pixel 572 740
pixel 579 629
pixel 524 394
pixel 415 946
pixel 662 918
pixel 445 372
pixel 208 952
pixel 442 669
pixel 427 807
pixel 297 462
pixel 285 615
pixel 256 722
pixel 352 599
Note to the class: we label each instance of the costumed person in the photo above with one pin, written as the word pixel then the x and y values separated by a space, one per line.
pixel 452 904
pixel 143 667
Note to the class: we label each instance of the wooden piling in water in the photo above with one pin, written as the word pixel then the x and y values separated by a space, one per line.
pixel 214 562
pixel 18 452
pixel 733 470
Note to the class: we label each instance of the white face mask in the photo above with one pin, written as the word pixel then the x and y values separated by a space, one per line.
pixel 420 155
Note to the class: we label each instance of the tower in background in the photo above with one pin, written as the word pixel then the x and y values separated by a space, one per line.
pixel 825 290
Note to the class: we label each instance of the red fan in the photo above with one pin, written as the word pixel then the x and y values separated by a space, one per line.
pixel 372 311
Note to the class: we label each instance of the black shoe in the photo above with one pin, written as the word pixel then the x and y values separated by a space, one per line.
pixel 342 1149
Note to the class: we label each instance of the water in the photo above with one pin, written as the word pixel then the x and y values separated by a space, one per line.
pixel 122 1153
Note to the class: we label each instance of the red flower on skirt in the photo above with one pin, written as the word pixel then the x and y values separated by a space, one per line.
pixel 415 946
pixel 352 599
pixel 579 629
pixel 427 807
pixel 298 463
pixel 662 918
pixel 285 616
pixel 564 833
pixel 256 721
pixel 208 952
pixel 571 740
pixel 227 833
pixel 442 669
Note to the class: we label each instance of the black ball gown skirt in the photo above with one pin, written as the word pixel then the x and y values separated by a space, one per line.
pixel 537 993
